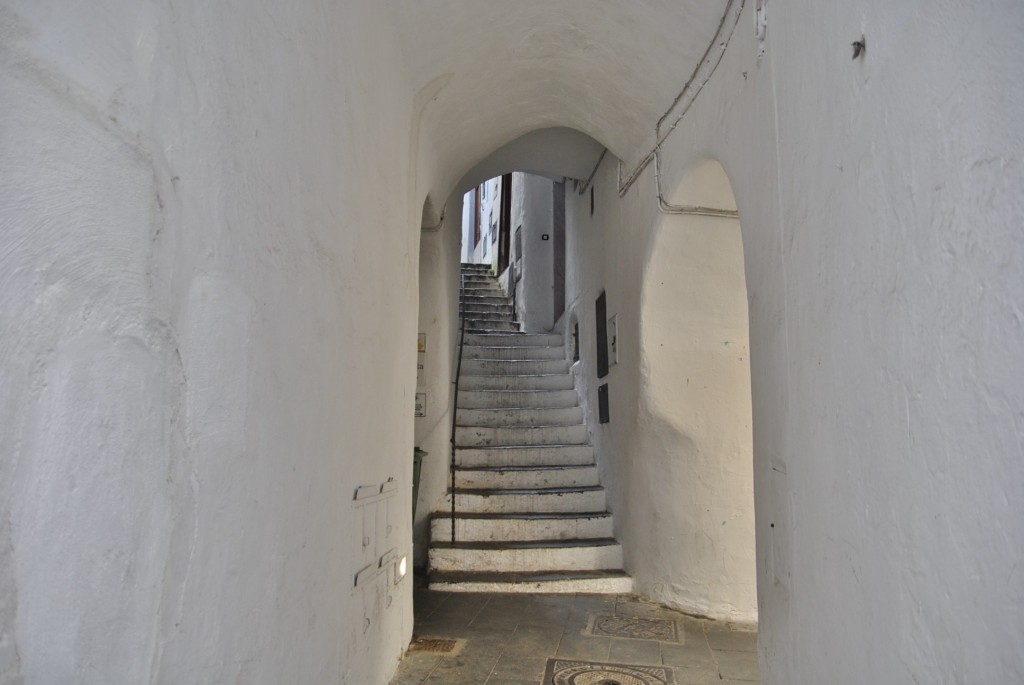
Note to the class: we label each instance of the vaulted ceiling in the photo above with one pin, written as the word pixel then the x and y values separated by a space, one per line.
pixel 486 72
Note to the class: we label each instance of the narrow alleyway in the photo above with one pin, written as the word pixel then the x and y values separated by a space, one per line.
pixel 569 639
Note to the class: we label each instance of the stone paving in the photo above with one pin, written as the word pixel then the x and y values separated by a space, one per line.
pixel 509 640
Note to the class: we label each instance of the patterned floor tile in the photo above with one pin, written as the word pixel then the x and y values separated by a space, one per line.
pixel 565 672
pixel 634 627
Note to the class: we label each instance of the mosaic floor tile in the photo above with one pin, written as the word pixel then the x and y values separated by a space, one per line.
pixel 634 627
pixel 566 672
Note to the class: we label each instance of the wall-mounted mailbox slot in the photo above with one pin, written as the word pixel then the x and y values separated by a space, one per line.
pixel 602 335
pixel 613 340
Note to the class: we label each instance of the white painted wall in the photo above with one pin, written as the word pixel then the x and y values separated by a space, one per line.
pixel 878 222
pixel 532 210
pixel 468 201
pixel 438 318
pixel 553 152
pixel 207 317
pixel 490 218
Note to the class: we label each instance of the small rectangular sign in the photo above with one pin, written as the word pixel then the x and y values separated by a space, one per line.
pixel 421 404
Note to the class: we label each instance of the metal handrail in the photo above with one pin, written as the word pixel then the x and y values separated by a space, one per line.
pixel 458 374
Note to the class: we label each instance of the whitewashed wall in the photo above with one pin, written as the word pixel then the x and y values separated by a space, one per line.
pixel 439 319
pixel 532 210
pixel 883 266
pixel 208 307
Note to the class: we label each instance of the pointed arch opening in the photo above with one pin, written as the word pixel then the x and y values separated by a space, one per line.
pixel 695 428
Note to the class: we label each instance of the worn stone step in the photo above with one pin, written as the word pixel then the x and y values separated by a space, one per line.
pixel 524 455
pixel 514 339
pixel 558 381
pixel 482 436
pixel 558 416
pixel 521 526
pixel 479 320
pixel 482 290
pixel 535 352
pixel 485 299
pixel 485 312
pixel 611 581
pixel 488 308
pixel 500 399
pixel 575 499
pixel 526 477
pixel 511 556
pixel 475 327
pixel 513 367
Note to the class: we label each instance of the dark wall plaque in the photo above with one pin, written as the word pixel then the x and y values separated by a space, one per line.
pixel 602 336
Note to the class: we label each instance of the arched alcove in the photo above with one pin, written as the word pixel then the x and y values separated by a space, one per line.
pixel 694 438
pixel 436 338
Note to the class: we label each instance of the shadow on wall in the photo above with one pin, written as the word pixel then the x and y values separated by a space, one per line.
pixel 694 439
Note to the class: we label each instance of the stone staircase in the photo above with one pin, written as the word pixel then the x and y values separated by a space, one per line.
pixel 530 511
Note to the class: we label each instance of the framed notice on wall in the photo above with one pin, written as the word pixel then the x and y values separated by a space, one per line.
pixel 421 359
pixel 421 404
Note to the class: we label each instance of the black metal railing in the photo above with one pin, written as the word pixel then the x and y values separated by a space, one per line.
pixel 458 375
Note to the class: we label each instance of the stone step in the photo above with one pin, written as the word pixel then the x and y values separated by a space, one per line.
pixel 530 500
pixel 552 416
pixel 484 299
pixel 526 477
pixel 525 455
pixel 541 555
pixel 487 308
pixel 475 327
pixel 534 352
pixel 497 399
pixel 481 290
pixel 487 317
pixel 520 526
pixel 514 339
pixel 558 381
pixel 611 581
pixel 483 436
pixel 513 367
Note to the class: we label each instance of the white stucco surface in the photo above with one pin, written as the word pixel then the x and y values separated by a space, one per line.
pixel 692 454
pixel 532 211
pixel 202 352
pixel 500 70
pixel 554 152
pixel 881 269
pixel 438 318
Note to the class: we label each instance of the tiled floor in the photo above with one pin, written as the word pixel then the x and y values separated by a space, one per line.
pixel 509 639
